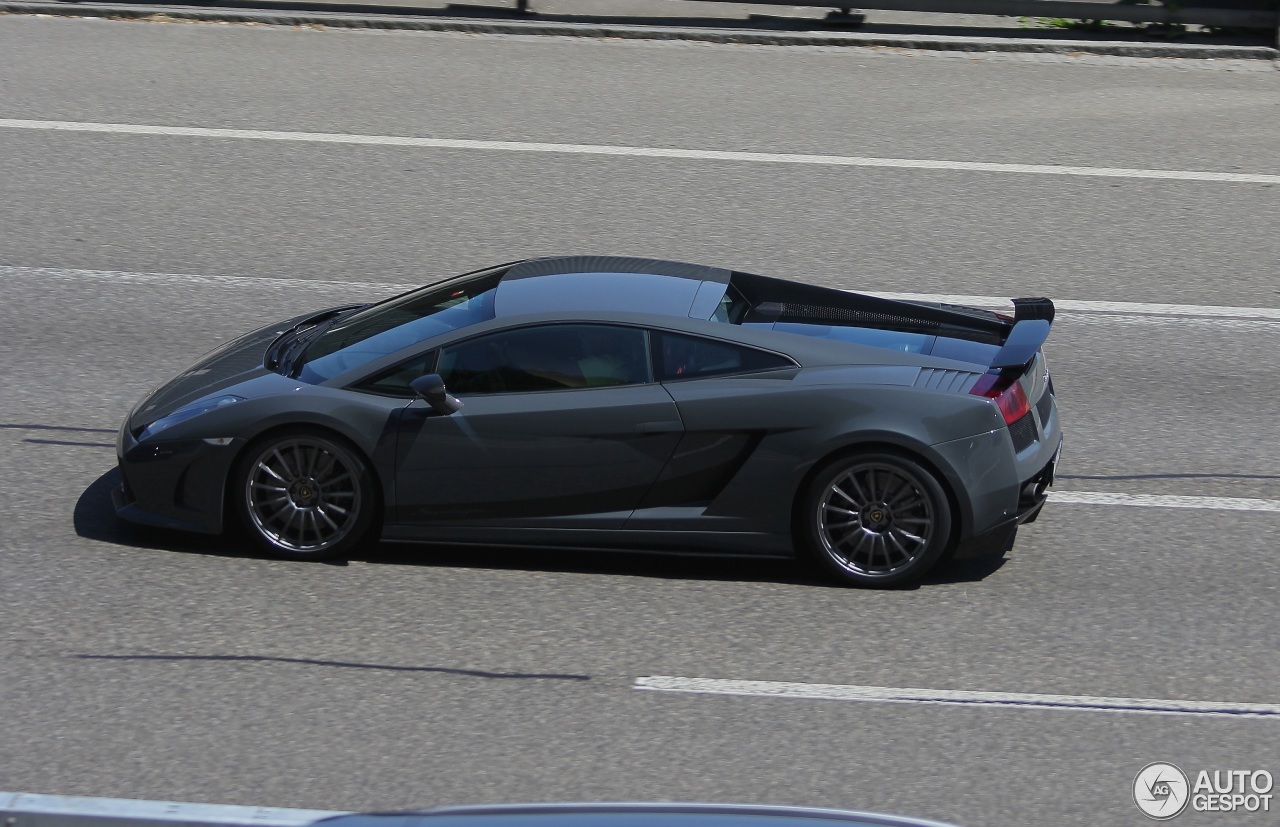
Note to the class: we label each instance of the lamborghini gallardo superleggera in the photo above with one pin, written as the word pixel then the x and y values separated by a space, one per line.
pixel 600 402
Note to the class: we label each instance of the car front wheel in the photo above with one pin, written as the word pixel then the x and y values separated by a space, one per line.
pixel 875 519
pixel 305 495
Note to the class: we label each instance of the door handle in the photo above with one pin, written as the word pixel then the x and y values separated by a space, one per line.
pixel 666 426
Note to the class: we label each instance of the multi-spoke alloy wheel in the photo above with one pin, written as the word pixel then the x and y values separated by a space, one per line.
pixel 305 496
pixel 877 519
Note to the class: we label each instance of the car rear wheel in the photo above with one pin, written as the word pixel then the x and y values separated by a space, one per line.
pixel 876 520
pixel 305 495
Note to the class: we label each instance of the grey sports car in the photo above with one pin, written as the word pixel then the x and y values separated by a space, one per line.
pixel 603 402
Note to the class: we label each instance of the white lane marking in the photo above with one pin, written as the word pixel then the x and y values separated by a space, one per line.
pixel 38 807
pixel 1182 323
pixel 1140 308
pixel 639 151
pixel 1164 501
pixel 179 279
pixel 949 697
pixel 1103 311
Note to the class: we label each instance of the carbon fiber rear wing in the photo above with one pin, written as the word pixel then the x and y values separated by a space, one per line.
pixel 1032 319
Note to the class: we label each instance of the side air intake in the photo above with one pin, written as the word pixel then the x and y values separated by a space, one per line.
pixel 939 379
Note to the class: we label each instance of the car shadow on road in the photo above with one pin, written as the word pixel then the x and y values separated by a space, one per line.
pixel 338 664
pixel 94 518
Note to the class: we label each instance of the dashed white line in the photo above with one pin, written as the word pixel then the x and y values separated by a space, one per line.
pixel 72 809
pixel 182 279
pixel 638 151
pixel 949 697
pixel 1165 501
pixel 1132 308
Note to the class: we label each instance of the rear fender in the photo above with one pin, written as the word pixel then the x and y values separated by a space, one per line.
pixel 892 442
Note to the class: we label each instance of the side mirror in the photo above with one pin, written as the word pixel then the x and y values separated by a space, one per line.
pixel 431 388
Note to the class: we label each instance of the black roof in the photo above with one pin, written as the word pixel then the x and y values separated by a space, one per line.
pixel 611 283
pixel 558 265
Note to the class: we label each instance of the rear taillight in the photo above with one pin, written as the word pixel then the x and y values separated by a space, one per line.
pixel 1004 388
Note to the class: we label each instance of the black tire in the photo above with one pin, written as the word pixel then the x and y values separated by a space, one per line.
pixel 305 494
pixel 874 519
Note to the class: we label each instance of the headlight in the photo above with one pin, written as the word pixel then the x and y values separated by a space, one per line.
pixel 183 414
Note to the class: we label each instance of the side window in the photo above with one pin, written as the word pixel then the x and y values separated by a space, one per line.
pixel 551 357
pixel 677 356
pixel 395 381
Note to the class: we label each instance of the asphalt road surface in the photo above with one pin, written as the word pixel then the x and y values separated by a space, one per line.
pixel 149 665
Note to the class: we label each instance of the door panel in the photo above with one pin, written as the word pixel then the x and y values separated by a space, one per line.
pixel 727 422
pixel 567 458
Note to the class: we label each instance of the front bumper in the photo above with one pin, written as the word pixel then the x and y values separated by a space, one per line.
pixel 179 484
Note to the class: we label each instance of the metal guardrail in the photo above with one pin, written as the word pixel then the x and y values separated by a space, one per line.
pixel 34 810
pixel 1252 14
pixel 1241 14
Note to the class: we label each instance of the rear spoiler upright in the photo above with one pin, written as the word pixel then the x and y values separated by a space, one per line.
pixel 1031 321
pixel 1038 308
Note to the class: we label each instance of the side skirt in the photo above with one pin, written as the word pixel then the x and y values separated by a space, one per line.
pixel 738 544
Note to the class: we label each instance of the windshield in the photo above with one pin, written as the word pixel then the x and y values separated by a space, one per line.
pixel 398 323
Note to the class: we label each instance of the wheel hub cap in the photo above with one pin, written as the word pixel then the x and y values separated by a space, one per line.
pixel 304 493
pixel 877 517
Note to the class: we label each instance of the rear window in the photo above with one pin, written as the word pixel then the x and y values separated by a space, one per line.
pixel 732 308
